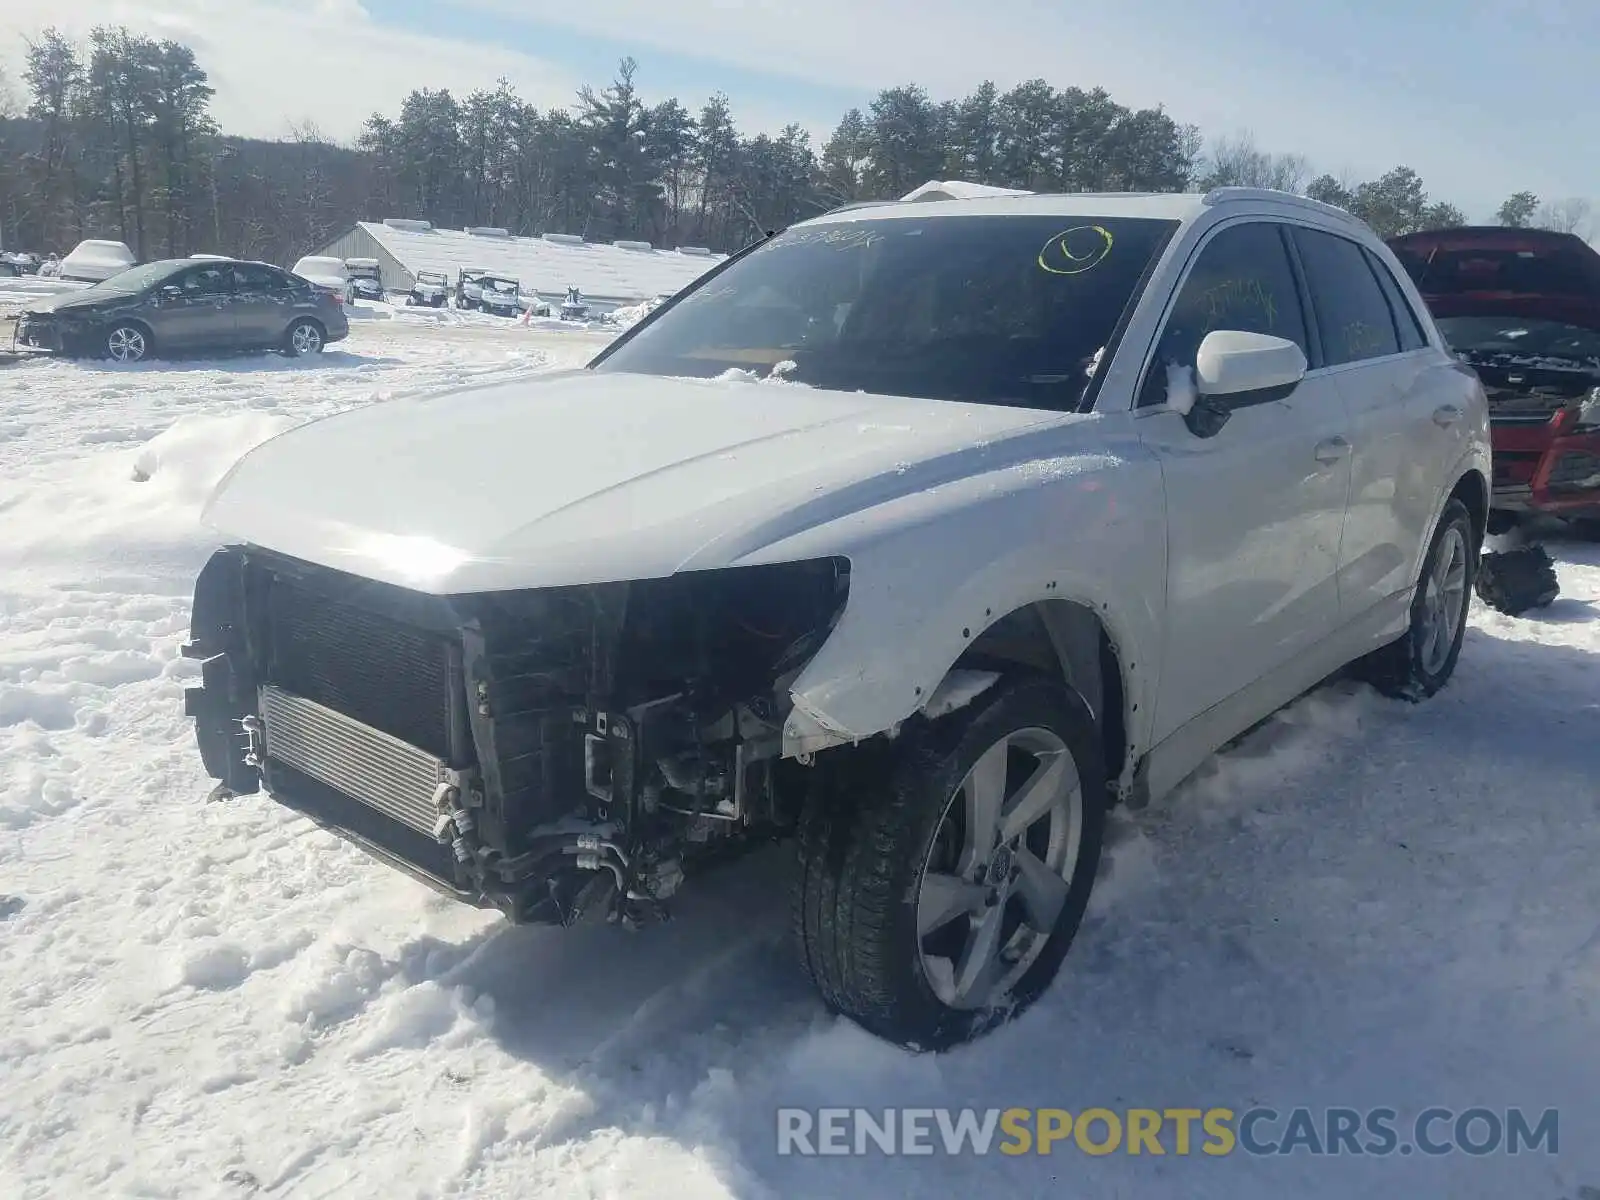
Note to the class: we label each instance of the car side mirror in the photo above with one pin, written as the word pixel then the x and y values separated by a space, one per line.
pixel 168 292
pixel 1233 369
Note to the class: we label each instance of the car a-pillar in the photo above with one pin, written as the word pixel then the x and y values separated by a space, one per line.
pixel 945 868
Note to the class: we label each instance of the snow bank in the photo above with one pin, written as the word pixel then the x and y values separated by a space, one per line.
pixel 134 511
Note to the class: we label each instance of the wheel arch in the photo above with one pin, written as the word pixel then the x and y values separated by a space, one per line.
pixel 138 323
pixel 1063 639
pixel 1067 641
pixel 1472 489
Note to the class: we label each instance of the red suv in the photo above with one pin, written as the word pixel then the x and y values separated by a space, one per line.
pixel 1522 308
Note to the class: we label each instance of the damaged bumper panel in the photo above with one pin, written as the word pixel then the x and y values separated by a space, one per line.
pixel 512 750
pixel 1559 475
pixel 36 335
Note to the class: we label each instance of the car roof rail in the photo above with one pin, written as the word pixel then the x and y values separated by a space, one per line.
pixel 1228 195
pixel 856 204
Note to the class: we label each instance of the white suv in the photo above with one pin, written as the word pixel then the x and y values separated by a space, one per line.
pixel 923 531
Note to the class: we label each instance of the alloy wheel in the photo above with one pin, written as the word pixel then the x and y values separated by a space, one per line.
pixel 999 870
pixel 1444 597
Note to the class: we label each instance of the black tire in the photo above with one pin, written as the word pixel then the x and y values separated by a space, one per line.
pixel 1517 581
pixel 304 336
pixel 127 342
pixel 1402 669
pixel 866 841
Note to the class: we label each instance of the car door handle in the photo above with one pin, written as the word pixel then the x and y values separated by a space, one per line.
pixel 1447 415
pixel 1332 450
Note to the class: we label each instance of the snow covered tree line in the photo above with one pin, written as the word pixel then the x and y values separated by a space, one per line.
pixel 115 138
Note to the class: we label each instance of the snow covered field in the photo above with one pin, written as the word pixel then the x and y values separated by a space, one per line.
pixel 1363 904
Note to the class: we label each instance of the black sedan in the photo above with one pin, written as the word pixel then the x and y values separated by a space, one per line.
pixel 179 306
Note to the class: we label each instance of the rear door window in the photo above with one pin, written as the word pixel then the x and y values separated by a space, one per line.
pixel 257 277
pixel 1353 315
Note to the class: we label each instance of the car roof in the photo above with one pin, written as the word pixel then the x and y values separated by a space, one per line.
pixel 1164 206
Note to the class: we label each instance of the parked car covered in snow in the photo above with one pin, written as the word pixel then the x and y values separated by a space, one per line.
pixel 326 272
pixel 430 289
pixel 930 531
pixel 178 306
pixel 21 262
pixel 93 259
pixel 366 278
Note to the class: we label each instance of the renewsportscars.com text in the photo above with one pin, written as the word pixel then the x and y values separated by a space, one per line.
pixel 1215 1132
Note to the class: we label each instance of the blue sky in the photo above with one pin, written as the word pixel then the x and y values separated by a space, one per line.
pixel 1483 97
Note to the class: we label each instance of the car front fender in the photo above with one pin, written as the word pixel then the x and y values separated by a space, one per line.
pixel 930 572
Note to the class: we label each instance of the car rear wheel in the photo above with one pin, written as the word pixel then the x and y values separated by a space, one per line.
pixel 304 337
pixel 1422 661
pixel 127 343
pixel 938 900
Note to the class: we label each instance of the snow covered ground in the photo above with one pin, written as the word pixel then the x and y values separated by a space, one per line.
pixel 1363 904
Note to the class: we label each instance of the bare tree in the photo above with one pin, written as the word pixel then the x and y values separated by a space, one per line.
pixel 1238 162
pixel 1572 215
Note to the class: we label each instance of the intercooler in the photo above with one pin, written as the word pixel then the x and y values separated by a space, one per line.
pixel 366 764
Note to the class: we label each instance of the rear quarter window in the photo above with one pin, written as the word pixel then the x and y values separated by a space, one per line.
pixel 1407 325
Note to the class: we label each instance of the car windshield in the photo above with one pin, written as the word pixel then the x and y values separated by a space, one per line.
pixel 1011 310
pixel 1496 336
pixel 136 279
pixel 501 285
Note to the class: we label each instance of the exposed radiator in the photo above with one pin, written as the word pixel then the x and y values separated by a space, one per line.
pixel 387 674
pixel 366 764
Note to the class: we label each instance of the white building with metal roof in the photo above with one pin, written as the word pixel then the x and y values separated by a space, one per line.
pixel 609 274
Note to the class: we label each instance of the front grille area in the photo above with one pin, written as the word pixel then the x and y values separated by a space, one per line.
pixel 378 671
pixel 367 764
pixel 39 333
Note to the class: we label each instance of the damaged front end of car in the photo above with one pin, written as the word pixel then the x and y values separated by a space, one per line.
pixel 551 753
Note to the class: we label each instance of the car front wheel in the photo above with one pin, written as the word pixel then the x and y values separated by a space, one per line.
pixel 127 344
pixel 304 337
pixel 938 899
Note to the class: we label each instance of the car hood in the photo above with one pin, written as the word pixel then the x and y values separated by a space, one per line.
pixel 1495 271
pixel 70 301
pixel 588 477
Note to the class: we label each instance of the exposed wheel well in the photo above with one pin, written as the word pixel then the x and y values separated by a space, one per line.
pixel 1068 641
pixel 1473 491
